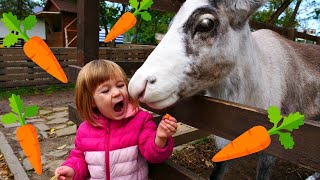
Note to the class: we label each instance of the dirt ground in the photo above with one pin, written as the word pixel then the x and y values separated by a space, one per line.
pixel 196 156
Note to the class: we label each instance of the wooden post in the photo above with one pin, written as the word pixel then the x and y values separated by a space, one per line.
pixel 88 31
pixel 291 34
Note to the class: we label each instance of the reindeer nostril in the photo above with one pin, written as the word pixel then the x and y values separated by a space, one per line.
pixel 151 79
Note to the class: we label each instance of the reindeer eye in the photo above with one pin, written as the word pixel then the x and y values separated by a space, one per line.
pixel 205 25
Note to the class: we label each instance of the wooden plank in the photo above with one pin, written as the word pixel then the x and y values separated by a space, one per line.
pixel 12 77
pixel 171 170
pixel 32 64
pixel 13 58
pixel 88 38
pixel 73 72
pixel 162 5
pixel 125 56
pixel 229 120
pixel 10 84
pixel 19 70
pixel 4 51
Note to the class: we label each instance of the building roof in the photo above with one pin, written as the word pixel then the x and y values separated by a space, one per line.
pixel 62 5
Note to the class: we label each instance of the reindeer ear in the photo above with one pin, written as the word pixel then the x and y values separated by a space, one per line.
pixel 249 6
pixel 241 10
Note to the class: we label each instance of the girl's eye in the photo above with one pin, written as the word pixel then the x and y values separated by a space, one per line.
pixel 121 85
pixel 105 91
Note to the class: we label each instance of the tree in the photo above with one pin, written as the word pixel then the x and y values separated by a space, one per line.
pixel 284 13
pixel 144 31
pixel 109 13
pixel 20 8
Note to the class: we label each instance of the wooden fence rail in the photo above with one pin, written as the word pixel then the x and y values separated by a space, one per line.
pixel 227 120
pixel 16 69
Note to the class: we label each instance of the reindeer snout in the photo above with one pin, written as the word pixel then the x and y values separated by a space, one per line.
pixel 151 79
pixel 138 85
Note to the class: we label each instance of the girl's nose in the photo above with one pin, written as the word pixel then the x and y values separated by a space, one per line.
pixel 116 92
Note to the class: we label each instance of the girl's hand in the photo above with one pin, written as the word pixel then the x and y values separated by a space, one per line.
pixel 64 173
pixel 166 129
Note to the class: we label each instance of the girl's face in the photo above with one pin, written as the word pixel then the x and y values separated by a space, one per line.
pixel 111 98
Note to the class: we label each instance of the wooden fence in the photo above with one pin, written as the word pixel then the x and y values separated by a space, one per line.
pixel 227 120
pixel 289 33
pixel 16 69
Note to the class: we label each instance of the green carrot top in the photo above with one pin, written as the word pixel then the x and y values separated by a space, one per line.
pixel 13 25
pixel 17 108
pixel 141 8
pixel 289 123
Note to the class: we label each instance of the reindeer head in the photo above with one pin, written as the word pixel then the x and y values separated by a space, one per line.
pixel 199 51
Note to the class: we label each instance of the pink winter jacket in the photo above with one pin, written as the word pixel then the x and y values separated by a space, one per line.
pixel 118 150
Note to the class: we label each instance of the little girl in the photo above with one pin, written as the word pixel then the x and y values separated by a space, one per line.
pixel 117 138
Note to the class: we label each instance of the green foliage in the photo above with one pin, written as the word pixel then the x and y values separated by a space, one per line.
pixel 158 24
pixel 30 91
pixel 17 109
pixel 264 14
pixel 13 24
pixel 109 14
pixel 29 22
pixel 142 9
pixel 289 123
pixel 134 4
pixel 21 8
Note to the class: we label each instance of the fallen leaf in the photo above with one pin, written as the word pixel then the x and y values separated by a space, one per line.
pixel 52 131
pixel 62 147
pixel 208 164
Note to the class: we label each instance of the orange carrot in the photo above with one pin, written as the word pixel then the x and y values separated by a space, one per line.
pixel 258 137
pixel 251 141
pixel 26 133
pixel 167 116
pixel 126 22
pixel 28 139
pixel 39 52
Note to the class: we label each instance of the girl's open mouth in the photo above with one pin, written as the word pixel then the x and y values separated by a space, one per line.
pixel 118 107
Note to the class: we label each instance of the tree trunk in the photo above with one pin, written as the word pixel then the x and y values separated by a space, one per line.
pixel 294 14
pixel 275 16
pixel 135 39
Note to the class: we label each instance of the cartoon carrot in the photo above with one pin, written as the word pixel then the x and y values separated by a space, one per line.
pixel 258 138
pixel 27 133
pixel 128 19
pixel 35 48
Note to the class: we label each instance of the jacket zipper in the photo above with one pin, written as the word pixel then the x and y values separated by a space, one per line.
pixel 107 158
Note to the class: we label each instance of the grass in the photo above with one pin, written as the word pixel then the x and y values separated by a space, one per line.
pixel 204 140
pixel 31 91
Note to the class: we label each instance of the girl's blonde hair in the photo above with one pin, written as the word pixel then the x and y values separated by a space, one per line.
pixel 89 78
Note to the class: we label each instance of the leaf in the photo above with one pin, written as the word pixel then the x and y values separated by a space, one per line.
pixel 10 40
pixel 293 121
pixel 11 21
pixel 134 4
pixel 274 115
pixel 52 131
pixel 9 118
pixel 29 22
pixel 145 16
pixel 31 111
pixel 145 4
pixel 286 140
pixel 16 104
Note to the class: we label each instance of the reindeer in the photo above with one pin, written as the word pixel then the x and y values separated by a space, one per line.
pixel 210 47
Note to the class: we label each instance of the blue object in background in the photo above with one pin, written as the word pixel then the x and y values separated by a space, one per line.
pixel 102 36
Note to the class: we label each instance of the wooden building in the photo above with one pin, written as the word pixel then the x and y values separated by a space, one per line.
pixel 60 17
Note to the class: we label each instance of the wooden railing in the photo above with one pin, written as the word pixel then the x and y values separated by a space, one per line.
pixel 227 120
pixel 289 33
pixel 16 69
